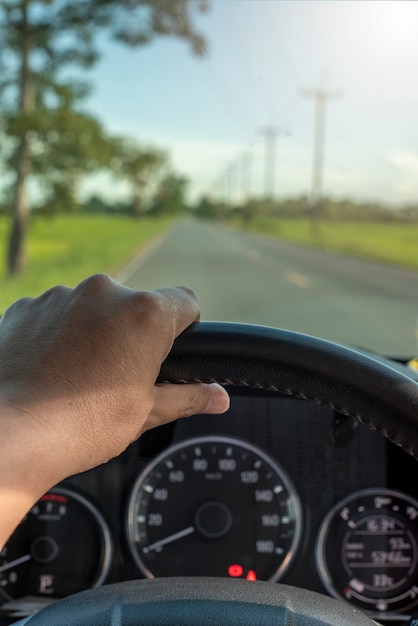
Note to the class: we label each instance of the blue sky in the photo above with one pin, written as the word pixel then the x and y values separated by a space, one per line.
pixel 208 112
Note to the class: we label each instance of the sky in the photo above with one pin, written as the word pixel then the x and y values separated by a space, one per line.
pixel 209 112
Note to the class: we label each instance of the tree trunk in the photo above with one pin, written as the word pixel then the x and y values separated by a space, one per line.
pixel 16 254
pixel 16 257
pixel 137 202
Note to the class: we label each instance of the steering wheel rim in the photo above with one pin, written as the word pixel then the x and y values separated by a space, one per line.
pixel 274 360
pixel 203 601
pixel 298 365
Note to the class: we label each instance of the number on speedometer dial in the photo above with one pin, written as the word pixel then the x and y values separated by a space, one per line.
pixel 214 506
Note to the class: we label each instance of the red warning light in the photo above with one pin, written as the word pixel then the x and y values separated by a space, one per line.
pixel 54 497
pixel 235 571
pixel 251 575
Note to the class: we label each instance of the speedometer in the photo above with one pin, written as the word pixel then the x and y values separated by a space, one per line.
pixel 214 506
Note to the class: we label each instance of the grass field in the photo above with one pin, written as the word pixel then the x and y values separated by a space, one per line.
pixel 66 249
pixel 382 241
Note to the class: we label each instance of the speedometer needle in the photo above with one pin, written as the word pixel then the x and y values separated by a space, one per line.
pixel 18 561
pixel 162 542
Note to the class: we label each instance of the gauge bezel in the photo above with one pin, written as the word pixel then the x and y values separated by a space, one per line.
pixel 106 549
pixel 320 559
pixel 294 499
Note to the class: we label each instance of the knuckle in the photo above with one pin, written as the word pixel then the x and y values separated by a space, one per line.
pixel 149 307
pixel 26 304
pixel 196 401
pixel 57 291
pixel 189 292
pixel 96 283
pixel 16 307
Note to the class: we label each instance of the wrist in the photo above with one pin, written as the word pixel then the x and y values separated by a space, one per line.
pixel 24 472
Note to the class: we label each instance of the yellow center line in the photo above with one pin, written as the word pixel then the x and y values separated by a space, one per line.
pixel 250 253
pixel 300 280
pixel 253 255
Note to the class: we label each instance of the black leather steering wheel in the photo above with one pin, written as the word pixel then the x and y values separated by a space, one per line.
pixel 275 360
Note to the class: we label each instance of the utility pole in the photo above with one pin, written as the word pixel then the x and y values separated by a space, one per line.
pixel 245 165
pixel 226 186
pixel 321 97
pixel 270 133
pixel 231 186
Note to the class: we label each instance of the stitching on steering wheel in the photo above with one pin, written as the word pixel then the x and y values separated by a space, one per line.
pixel 301 395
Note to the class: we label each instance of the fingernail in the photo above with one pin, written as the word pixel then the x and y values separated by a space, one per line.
pixel 219 400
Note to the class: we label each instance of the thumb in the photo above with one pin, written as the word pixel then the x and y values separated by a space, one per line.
pixel 175 401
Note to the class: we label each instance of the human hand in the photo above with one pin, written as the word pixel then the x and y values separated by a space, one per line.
pixel 77 377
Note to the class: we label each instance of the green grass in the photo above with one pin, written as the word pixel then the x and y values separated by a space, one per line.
pixel 382 241
pixel 66 249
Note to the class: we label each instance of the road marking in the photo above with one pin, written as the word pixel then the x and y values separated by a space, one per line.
pixel 143 255
pixel 253 255
pixel 250 253
pixel 297 279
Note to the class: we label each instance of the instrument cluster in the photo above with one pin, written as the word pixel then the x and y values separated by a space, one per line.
pixel 278 490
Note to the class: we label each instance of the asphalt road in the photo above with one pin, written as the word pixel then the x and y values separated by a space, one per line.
pixel 243 277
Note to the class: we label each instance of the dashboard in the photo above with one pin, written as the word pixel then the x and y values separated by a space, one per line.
pixel 276 489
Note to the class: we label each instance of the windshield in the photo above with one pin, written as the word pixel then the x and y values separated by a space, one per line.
pixel 262 152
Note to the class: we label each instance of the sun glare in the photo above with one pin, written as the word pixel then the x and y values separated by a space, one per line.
pixel 395 24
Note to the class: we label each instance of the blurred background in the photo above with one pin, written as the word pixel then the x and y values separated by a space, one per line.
pixel 242 147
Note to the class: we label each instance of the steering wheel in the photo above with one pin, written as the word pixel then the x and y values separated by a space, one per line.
pixel 267 359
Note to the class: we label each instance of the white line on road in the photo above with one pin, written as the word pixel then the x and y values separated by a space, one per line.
pixel 138 261
pixel 300 280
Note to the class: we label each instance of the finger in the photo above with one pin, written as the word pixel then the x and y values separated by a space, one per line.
pixel 175 401
pixel 164 314
pixel 181 305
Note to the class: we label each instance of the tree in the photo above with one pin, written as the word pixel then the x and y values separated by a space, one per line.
pixel 140 167
pixel 68 147
pixel 170 197
pixel 39 41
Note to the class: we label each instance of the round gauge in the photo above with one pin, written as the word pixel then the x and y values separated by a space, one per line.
pixel 214 506
pixel 62 546
pixel 367 551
